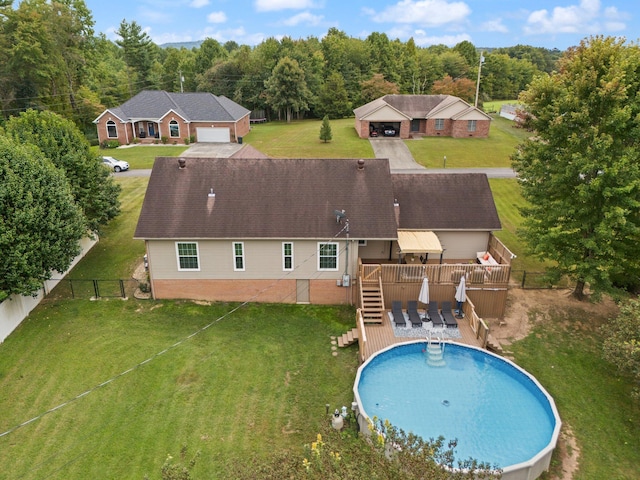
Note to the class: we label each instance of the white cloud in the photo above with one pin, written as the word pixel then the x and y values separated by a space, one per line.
pixel 216 17
pixel 421 12
pixel 423 40
pixel 583 18
pixel 199 3
pixel 273 5
pixel 494 26
pixel 304 18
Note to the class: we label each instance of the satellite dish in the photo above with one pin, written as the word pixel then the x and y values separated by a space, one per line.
pixel 339 215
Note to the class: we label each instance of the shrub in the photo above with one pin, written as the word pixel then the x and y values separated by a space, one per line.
pixel 164 139
pixel 110 144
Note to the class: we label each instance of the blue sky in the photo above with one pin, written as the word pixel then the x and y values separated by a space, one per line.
pixel 485 23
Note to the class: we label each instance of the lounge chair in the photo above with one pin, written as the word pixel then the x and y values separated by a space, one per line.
pixel 398 316
pixel 434 314
pixel 414 316
pixel 447 314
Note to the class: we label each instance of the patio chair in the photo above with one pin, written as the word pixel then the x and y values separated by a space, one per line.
pixel 434 314
pixel 398 316
pixel 414 316
pixel 447 314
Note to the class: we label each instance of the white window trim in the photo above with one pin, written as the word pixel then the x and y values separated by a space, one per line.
pixel 180 269
pixel 337 267
pixel 172 122
pixel 115 126
pixel 244 263
pixel 439 124
pixel 284 256
pixel 471 125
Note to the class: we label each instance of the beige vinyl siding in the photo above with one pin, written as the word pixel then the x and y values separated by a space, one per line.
pixel 385 114
pixel 262 260
pixel 462 245
pixel 375 249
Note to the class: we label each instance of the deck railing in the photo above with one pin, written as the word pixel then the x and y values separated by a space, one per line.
pixel 362 334
pixel 446 273
pixel 478 325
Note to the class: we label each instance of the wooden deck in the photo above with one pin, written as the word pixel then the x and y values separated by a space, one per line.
pixel 382 336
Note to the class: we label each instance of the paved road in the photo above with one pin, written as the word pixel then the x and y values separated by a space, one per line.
pixel 401 160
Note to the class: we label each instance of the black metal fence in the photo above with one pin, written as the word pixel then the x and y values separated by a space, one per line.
pixel 534 280
pixel 95 288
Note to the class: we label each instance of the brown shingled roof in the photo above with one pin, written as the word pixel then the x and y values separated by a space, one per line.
pixel 266 198
pixel 461 201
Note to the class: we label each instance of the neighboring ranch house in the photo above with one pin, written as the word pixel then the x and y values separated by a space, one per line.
pixel 154 115
pixel 421 115
pixel 304 230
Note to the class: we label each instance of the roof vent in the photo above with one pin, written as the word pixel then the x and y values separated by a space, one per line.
pixel 361 164
pixel 182 163
pixel 211 193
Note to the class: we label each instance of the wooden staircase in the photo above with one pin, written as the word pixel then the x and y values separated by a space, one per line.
pixel 371 301
pixel 494 345
pixel 348 338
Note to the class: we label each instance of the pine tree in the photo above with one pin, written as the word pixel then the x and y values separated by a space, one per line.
pixel 325 130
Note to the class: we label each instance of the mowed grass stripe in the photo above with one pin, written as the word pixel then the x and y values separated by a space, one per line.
pixel 255 381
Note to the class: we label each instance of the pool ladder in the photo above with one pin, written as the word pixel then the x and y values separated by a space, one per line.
pixel 435 351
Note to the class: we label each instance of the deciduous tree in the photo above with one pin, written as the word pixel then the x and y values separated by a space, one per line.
pixel 333 99
pixel 287 89
pixel 377 87
pixel 622 342
pixel 581 171
pixel 63 144
pixel 40 223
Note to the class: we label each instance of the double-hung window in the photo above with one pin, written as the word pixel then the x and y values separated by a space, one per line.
pixel 238 256
pixel 439 123
pixel 471 125
pixel 188 258
pixel 287 256
pixel 328 256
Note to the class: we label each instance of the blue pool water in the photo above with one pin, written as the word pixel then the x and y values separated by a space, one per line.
pixel 496 411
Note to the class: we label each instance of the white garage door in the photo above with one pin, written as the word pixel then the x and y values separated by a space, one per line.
pixel 219 135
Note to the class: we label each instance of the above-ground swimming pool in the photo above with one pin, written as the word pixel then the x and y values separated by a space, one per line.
pixel 498 413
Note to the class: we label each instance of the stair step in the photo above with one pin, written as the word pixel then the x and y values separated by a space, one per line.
pixel 348 338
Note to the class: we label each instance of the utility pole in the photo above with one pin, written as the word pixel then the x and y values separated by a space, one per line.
pixel 478 81
pixel 181 80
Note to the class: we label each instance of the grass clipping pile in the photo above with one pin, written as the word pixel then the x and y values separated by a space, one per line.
pixel 517 324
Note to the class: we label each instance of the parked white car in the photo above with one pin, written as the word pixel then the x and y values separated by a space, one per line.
pixel 115 164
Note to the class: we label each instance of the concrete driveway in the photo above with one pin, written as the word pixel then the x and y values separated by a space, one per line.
pixel 401 160
pixel 212 150
pixel 396 151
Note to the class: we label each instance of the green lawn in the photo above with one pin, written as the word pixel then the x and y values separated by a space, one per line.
pixel 141 156
pixel 493 151
pixel 564 352
pixel 300 139
pixel 255 382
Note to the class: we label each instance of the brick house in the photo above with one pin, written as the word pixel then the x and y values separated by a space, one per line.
pixel 407 116
pixel 153 115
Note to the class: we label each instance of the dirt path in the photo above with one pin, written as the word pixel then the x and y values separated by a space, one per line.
pixel 516 325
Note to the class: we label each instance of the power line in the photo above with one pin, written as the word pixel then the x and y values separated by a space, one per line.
pixel 168 349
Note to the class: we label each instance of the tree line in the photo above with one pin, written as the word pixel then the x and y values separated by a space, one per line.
pixel 51 58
